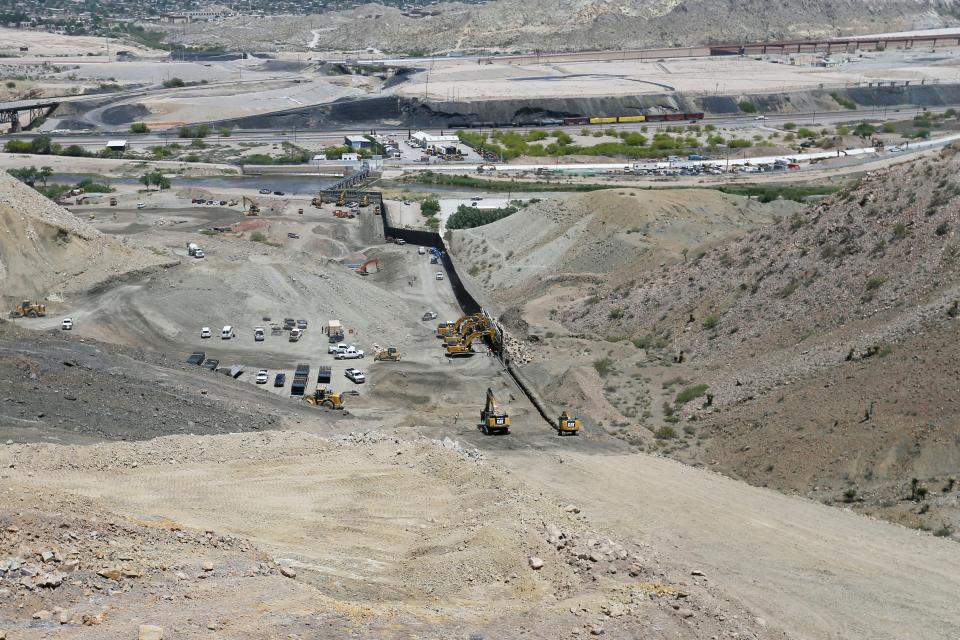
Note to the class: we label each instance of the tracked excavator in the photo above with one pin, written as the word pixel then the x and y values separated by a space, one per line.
pixel 493 419
pixel 27 309
pixel 463 348
pixel 325 397
pixel 448 328
pixel 250 207
pixel 568 425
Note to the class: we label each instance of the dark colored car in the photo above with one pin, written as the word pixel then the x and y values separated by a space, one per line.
pixel 280 380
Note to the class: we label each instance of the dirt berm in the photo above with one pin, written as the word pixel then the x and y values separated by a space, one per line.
pixel 46 251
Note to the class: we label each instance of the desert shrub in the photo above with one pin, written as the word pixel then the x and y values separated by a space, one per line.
pixel 689 393
pixel 604 366
pixel 666 433
pixel 711 321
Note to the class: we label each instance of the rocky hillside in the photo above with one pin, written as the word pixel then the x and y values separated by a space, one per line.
pixel 601 236
pixel 824 342
pixel 571 24
pixel 45 250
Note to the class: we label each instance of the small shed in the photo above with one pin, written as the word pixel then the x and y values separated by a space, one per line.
pixel 117 145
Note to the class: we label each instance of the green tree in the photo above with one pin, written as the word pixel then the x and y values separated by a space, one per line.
pixel 747 107
pixel 430 207
pixel 864 130
pixel 156 178
pixel 789 126
pixel 139 127
pixel 225 132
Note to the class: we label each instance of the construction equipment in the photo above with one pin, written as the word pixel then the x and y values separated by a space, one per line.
pixel 363 269
pixel 463 348
pixel 390 353
pixel 342 199
pixel 250 207
pixel 568 425
pixel 317 202
pixel 326 398
pixel 492 418
pixel 448 328
pixel 27 309
pixel 365 202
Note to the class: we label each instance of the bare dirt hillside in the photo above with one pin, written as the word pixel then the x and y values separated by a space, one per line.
pixel 824 344
pixel 611 233
pixel 46 250
pixel 569 25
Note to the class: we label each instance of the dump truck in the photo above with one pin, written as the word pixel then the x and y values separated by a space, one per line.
pixel 27 309
pixel 325 397
pixel 300 375
pixel 390 353
pixel 568 425
pixel 493 419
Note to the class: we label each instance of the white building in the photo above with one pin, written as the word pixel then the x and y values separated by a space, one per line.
pixel 426 140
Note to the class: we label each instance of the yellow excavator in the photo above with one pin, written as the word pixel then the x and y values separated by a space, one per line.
pixel 27 309
pixel 568 425
pixel 463 348
pixel 493 419
pixel 365 202
pixel 325 397
pixel 449 328
pixel 317 202
pixel 250 207
pixel 390 353
pixel 342 199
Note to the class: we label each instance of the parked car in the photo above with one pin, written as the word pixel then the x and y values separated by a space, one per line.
pixel 262 376
pixel 295 236
pixel 226 333
pixel 295 335
pixel 141 205
pixel 301 324
pixel 429 315
pixel 67 324
pixel 337 346
pixel 355 375
pixel 205 332
pixel 348 354
pixel 422 250
pixel 278 193
pixel 199 254
pixel 401 241
pixel 439 275
pixel 258 334
pixel 264 192
pixel 280 380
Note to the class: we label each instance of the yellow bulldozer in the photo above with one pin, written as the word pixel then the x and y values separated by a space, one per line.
pixel 250 207
pixel 325 397
pixel 493 419
pixel 27 309
pixel 568 425
pixel 390 353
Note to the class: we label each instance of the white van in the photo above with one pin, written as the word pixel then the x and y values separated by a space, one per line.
pixel 226 333
pixel 422 251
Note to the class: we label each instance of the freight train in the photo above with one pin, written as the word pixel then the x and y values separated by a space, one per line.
pixel 582 120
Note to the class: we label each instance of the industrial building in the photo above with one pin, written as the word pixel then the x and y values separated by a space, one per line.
pixel 357 142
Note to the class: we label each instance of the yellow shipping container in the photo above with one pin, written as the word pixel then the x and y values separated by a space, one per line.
pixel 632 118
pixel 602 120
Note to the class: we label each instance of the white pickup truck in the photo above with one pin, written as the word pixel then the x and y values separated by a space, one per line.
pixel 334 348
pixel 350 353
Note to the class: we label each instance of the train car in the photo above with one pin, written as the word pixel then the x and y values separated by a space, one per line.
pixel 550 122
pixel 693 116
pixel 672 117
pixel 603 120
pixel 632 119
pixel 574 121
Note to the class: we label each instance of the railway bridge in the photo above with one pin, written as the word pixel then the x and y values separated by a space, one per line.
pixel 11 113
